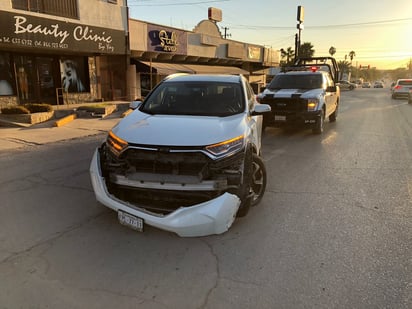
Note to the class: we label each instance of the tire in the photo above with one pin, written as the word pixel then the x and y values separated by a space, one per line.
pixel 334 115
pixel 245 199
pixel 318 128
pixel 259 179
pixel 254 186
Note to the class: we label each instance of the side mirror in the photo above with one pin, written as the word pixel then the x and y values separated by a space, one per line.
pixel 261 109
pixel 331 89
pixel 135 104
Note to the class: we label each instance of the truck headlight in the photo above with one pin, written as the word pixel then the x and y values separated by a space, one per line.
pixel 312 104
pixel 226 147
pixel 115 143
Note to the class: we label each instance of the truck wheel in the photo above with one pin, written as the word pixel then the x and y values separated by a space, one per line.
pixel 334 115
pixel 259 178
pixel 318 128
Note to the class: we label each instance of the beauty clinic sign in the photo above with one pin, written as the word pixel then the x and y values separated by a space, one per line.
pixel 31 32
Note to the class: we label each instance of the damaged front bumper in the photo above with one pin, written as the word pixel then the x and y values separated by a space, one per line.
pixel 211 217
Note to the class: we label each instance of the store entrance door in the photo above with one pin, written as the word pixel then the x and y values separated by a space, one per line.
pixel 36 79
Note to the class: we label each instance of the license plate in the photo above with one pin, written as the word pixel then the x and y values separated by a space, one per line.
pixel 280 118
pixel 131 221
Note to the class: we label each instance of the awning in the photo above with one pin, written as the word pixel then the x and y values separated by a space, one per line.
pixel 171 68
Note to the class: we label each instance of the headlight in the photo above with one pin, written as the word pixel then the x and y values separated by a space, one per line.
pixel 115 143
pixel 312 104
pixel 226 147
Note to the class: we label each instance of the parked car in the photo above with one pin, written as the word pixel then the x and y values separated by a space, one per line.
pixel 378 84
pixel 346 85
pixel 187 159
pixel 366 85
pixel 402 88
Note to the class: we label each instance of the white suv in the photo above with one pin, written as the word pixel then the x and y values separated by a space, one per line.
pixel 402 88
pixel 187 159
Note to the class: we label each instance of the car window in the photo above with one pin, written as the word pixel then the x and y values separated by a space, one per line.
pixel 405 82
pixel 195 98
pixel 295 81
pixel 250 95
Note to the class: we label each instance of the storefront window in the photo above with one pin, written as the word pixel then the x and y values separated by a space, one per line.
pixel 6 76
pixel 64 8
pixel 74 74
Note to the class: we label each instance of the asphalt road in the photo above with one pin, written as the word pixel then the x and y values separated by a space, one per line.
pixel 334 229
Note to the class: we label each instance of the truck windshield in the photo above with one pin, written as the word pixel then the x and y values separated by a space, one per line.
pixel 296 81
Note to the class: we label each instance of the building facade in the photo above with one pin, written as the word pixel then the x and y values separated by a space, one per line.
pixel 63 51
pixel 72 51
pixel 157 51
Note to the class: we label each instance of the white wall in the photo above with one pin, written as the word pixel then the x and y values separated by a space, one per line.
pixel 97 13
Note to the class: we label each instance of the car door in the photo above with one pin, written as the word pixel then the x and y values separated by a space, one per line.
pixel 330 96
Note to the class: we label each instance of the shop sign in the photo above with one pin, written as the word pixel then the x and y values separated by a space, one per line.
pixel 26 31
pixel 166 40
pixel 254 52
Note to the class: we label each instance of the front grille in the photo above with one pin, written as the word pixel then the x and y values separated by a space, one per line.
pixel 286 105
pixel 159 165
pixel 158 162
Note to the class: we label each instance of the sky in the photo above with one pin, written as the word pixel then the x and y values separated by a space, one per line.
pixel 379 32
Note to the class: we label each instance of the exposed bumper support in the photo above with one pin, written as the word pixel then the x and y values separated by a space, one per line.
pixel 211 217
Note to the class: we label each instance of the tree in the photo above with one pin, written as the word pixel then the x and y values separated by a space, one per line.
pixel 344 68
pixel 306 50
pixel 352 54
pixel 332 50
pixel 289 54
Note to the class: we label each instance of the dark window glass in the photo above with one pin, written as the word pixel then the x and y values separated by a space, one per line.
pixel 195 98
pixel 296 82
pixel 64 8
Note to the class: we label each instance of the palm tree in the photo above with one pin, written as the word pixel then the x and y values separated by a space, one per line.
pixel 289 54
pixel 344 67
pixel 332 50
pixel 306 50
pixel 351 55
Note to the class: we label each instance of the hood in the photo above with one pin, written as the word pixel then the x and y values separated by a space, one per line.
pixel 172 130
pixel 287 93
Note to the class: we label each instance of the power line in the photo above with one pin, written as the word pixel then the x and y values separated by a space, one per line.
pixel 181 3
pixel 371 23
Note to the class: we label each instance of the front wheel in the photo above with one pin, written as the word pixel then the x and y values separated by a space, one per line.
pixel 334 115
pixel 259 179
pixel 254 183
pixel 318 128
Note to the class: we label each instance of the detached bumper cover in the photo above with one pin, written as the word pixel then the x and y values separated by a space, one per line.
pixel 208 218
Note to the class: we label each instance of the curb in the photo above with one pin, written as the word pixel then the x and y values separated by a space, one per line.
pixel 65 120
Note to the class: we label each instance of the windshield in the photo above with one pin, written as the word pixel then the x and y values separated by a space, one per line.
pixel 295 81
pixel 195 98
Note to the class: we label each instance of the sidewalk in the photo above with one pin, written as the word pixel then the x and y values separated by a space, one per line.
pixel 43 133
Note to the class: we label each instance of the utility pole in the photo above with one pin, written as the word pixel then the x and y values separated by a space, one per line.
pixel 300 17
pixel 226 35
